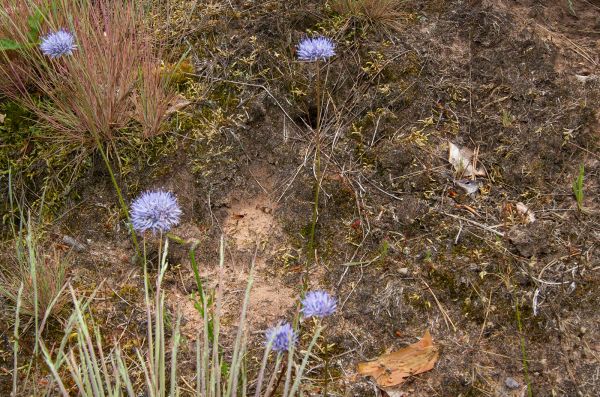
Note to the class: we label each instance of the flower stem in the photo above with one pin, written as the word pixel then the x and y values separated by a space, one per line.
pixel 312 249
pixel 523 350
pixel 122 203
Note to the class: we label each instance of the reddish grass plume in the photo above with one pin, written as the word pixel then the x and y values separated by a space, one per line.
pixel 111 81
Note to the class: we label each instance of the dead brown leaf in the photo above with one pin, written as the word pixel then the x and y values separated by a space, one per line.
pixel 394 368
pixel 177 104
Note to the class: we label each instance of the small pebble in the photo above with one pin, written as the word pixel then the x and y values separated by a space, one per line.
pixel 511 383
pixel 403 271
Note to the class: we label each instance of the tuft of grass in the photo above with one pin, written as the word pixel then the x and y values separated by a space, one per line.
pixel 33 285
pixel 94 371
pixel 110 80
pixel 384 13
pixel 83 360
pixel 40 274
pixel 153 95
pixel 524 359
pixel 578 188
pixel 13 40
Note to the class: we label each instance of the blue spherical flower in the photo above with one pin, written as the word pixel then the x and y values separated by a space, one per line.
pixel 155 210
pixel 281 336
pixel 58 43
pixel 313 49
pixel 318 304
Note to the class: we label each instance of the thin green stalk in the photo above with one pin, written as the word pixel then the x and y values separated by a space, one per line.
pixel 124 207
pixel 10 200
pixel 244 372
pixel 263 366
pixel 238 350
pixel 203 299
pixel 296 326
pixel 523 350
pixel 160 250
pixel 275 379
pixel 315 216
pixel 33 272
pixel 300 371
pixel 148 315
pixel 215 381
pixel 290 367
pixel 161 351
pixel 16 342
pixel 159 332
pixel 199 368
pixel 326 370
pixel 206 372
pixel 174 349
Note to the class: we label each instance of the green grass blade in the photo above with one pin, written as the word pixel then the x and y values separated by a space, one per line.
pixel 16 342
pixel 300 371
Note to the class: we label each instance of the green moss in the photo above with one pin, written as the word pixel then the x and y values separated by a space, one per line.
pixel 445 280
pixel 417 302
pixel 130 291
pixel 361 134
pixel 48 169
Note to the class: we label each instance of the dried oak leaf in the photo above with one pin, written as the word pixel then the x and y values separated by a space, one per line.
pixel 392 369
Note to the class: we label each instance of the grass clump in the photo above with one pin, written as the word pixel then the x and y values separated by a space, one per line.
pixel 109 79
pixel 33 279
pixel 82 364
pixel 32 285
pixel 382 13
pixel 42 275
pixel 578 188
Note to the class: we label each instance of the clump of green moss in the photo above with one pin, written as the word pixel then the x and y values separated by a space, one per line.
pixel 47 169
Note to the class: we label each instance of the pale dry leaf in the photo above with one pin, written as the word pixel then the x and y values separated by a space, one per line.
pixel 393 369
pixel 177 103
pixel 2 118
pixel 525 212
pixel 462 161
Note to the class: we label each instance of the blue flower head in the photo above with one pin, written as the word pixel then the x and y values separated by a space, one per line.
pixel 281 336
pixel 314 49
pixel 57 44
pixel 318 304
pixel 155 210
